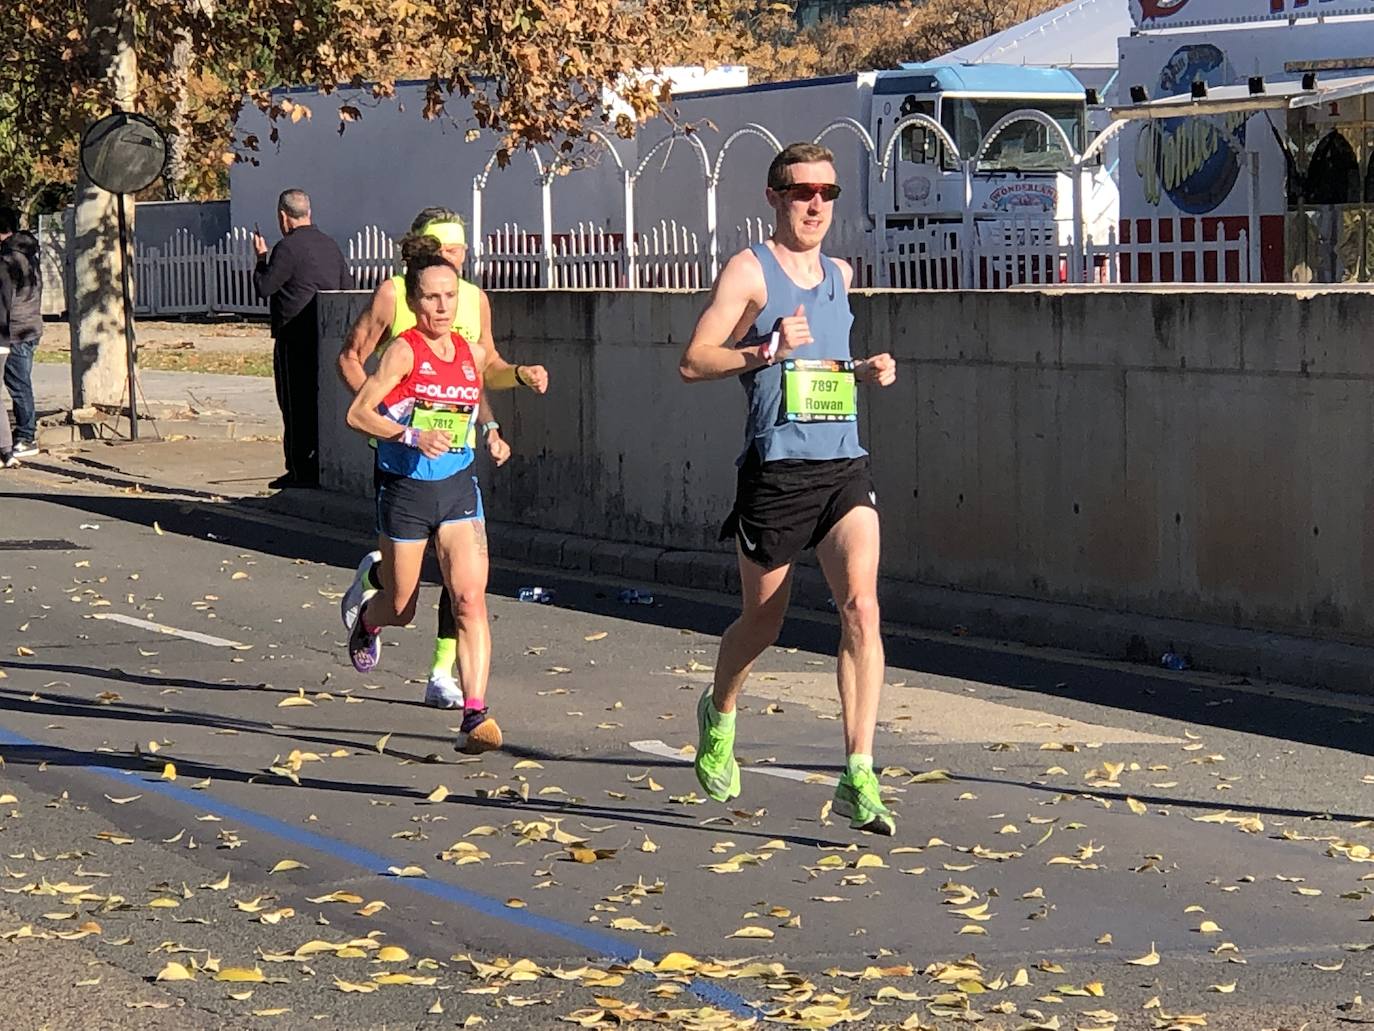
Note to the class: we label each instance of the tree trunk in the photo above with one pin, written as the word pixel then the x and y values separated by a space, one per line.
pixel 179 135
pixel 99 366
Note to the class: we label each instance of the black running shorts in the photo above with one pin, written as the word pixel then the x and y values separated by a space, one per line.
pixel 784 507
pixel 411 510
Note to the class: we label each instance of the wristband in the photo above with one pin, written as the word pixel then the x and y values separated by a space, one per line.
pixel 519 379
pixel 410 437
pixel 487 427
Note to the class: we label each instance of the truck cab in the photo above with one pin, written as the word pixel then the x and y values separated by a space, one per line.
pixel 1024 174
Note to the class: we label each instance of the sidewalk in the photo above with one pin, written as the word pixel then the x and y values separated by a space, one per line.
pixel 171 404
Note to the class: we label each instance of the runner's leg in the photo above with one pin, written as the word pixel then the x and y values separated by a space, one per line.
pixel 392 605
pixel 462 551
pixel 849 559
pixel 765 595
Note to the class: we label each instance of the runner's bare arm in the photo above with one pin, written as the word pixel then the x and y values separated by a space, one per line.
pixel 362 413
pixel 366 334
pixel 500 374
pixel 737 297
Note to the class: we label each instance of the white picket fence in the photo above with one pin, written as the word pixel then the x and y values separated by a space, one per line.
pixel 1020 252
pixel 184 276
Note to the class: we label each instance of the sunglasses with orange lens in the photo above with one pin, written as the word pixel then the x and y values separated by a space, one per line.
pixel 805 191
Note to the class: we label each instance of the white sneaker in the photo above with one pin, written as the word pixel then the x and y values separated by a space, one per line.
pixel 443 692
pixel 356 594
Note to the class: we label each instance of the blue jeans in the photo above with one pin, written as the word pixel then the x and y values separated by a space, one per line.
pixel 19 382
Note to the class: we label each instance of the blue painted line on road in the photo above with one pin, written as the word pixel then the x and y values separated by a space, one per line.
pixel 595 942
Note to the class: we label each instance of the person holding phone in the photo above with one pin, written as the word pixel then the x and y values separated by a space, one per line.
pixel 421 406
pixel 779 320
pixel 304 262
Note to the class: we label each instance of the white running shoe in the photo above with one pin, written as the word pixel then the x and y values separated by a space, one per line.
pixel 357 593
pixel 443 692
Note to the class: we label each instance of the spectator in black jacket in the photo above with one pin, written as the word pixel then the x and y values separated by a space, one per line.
pixel 21 326
pixel 305 262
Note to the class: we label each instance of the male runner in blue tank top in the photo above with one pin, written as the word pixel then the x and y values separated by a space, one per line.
pixel 779 319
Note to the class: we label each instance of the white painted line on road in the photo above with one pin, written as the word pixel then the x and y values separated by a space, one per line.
pixel 162 628
pixel 663 751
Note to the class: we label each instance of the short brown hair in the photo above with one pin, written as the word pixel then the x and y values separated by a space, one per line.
pixel 795 154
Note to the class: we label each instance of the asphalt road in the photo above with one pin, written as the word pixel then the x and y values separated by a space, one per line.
pixel 1092 814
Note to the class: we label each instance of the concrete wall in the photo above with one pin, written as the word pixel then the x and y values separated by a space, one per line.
pixel 1201 456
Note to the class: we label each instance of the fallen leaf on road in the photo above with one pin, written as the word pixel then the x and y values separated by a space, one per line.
pixel 157 529
pixel 123 801
pixel 174 972
pixel 406 871
pixel 1150 958
pixel 751 932
pixel 437 795
pixel 392 954
pixel 598 636
pixel 1225 989
pixel 288 864
pixel 240 974
pixel 381 743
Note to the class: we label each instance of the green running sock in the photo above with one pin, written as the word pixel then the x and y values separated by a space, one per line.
pixel 445 654
pixel 857 762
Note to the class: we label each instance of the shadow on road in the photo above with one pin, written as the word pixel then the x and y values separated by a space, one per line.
pixel 250 524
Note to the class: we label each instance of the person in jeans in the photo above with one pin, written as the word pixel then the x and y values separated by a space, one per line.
pixel 21 326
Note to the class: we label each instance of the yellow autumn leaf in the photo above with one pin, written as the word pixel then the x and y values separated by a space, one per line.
pixel 1136 806
pixel 751 932
pixel 382 743
pixel 392 954
pixel 1209 927
pixel 156 528
pixel 437 795
pixel 930 777
pixel 351 986
pixel 175 972
pixel 1225 989
pixel 600 635
pixel 406 871
pixel 288 864
pixel 240 974
pixel 169 771
pixel 647 846
pixel 1150 958
pixel 294 700
pixel 528 764
pixel 372 908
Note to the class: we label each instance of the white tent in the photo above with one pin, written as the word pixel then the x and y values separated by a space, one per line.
pixel 1080 35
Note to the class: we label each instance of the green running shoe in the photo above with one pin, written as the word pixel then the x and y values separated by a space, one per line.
pixel 715 763
pixel 859 798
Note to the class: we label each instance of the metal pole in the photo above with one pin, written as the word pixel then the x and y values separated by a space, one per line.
pixel 967 276
pixel 631 247
pixel 1076 270
pixel 546 194
pixel 477 245
pixel 1253 221
pixel 712 229
pixel 126 278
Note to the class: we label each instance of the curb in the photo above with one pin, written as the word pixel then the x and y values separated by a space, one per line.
pixel 1263 655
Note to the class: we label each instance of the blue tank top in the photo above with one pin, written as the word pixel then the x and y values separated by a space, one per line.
pixel 768 429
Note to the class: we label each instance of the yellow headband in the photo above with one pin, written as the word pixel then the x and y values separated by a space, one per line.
pixel 449 234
